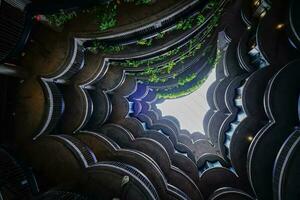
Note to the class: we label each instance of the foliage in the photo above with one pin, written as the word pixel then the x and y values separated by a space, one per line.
pixel 145 42
pixel 183 92
pixel 59 19
pixel 154 73
pixel 142 2
pixel 100 46
pixel 108 18
pixel 217 59
pixel 160 35
pixel 184 24
pixel 187 79
pixel 139 2
pixel 132 63
pixel 200 19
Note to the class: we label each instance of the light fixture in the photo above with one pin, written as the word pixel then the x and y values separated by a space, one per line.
pixel 250 138
pixel 256 3
pixel 263 14
pixel 280 26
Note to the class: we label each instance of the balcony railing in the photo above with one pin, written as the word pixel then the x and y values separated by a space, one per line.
pixel 14 27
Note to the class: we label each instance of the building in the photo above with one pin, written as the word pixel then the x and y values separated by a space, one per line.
pixel 82 81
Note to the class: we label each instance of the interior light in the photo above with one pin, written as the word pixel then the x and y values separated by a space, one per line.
pixel 250 138
pixel 263 14
pixel 280 26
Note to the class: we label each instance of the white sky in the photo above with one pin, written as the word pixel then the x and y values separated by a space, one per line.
pixel 190 110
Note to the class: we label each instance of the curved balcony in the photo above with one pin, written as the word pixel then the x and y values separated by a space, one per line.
pixel 254 91
pixel 216 177
pixel 192 145
pixel 277 130
pixel 14 183
pixel 125 182
pixel 151 97
pixel 153 54
pixel 125 140
pixel 293 24
pixel 285 175
pixel 232 22
pixel 230 193
pixel 230 61
pixel 178 159
pixel 95 68
pixel 15 27
pixel 105 149
pixel 139 106
pixel 239 145
pixel 198 65
pixel 120 108
pixel 233 101
pixel 51 195
pixel 78 109
pixel 242 52
pixel 76 65
pixel 102 108
pixel 246 13
pixel 141 92
pixel 187 46
pixel 54 109
pixel 146 26
pixel 214 124
pixel 252 98
pixel 261 8
pixel 219 94
pixel 167 134
pixel 240 116
pixel 209 161
pixel 80 150
pixel 128 87
pixel 210 95
pixel 73 63
pixel 270 34
pixel 66 164
pixel 206 119
pixel 113 78
pixel 184 89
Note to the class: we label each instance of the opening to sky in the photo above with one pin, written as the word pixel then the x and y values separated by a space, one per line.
pixel 190 110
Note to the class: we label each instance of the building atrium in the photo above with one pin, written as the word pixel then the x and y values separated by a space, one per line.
pixel 149 99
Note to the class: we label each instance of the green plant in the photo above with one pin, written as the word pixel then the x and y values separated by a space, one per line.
pixel 142 2
pixel 145 42
pixel 169 66
pixel 182 93
pixel 184 24
pixel 59 19
pixel 139 2
pixel 100 46
pixel 194 45
pixel 200 19
pixel 187 79
pixel 183 81
pixel 160 35
pixel 217 59
pixel 107 19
